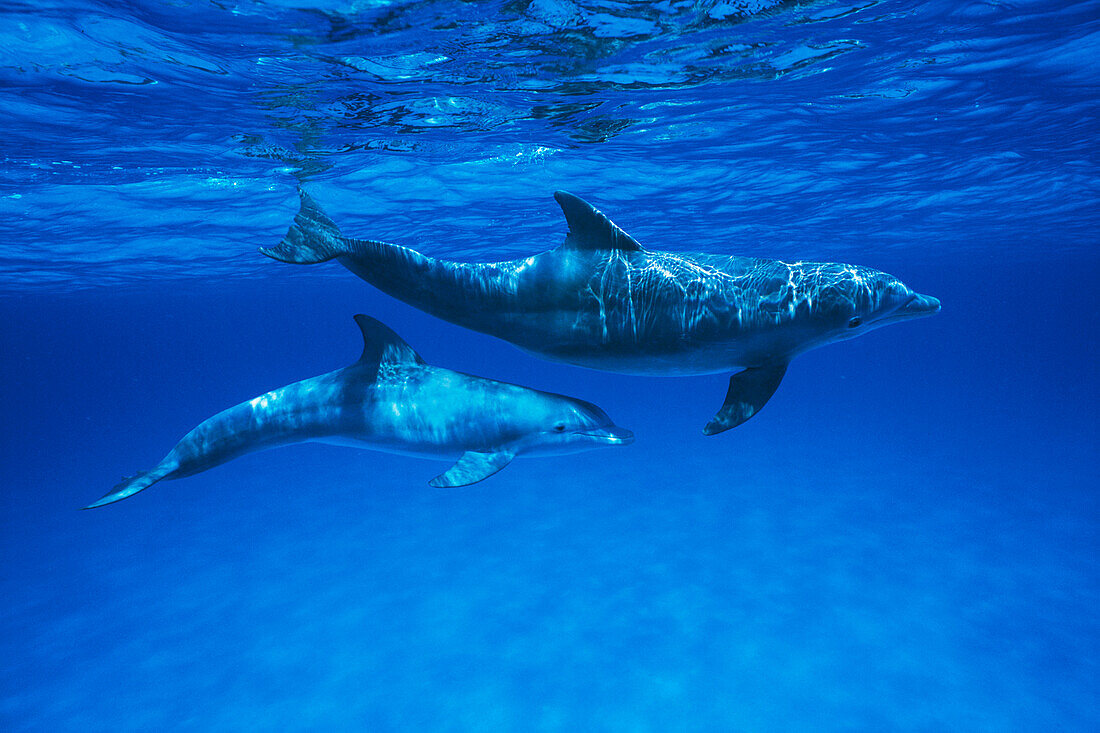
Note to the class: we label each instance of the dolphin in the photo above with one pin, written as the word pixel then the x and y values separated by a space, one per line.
pixel 391 401
pixel 600 300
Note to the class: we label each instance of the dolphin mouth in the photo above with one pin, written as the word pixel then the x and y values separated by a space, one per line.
pixel 918 306
pixel 611 436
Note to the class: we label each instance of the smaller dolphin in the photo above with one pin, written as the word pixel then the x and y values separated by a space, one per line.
pixel 390 400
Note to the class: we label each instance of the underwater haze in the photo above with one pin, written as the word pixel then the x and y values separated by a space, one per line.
pixel 905 538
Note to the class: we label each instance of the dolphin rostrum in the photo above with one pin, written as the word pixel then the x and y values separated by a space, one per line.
pixel 602 301
pixel 390 400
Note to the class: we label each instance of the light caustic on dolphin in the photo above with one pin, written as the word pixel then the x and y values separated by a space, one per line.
pixel 390 400
pixel 602 301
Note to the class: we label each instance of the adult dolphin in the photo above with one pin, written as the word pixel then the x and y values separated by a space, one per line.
pixel 390 400
pixel 602 301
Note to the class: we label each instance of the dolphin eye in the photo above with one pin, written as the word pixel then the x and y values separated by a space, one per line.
pixel 855 322
pixel 559 427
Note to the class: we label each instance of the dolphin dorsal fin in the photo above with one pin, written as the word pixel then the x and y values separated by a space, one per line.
pixel 381 345
pixel 589 228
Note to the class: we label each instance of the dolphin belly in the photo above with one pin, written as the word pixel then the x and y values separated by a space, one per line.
pixel 396 447
pixel 647 363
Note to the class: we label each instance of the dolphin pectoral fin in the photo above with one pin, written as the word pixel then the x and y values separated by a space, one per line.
pixel 471 468
pixel 749 390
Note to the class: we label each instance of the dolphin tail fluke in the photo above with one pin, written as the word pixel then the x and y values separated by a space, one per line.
pixel 133 484
pixel 312 238
pixel 748 392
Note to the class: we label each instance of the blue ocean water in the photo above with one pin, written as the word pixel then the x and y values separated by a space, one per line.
pixel 905 538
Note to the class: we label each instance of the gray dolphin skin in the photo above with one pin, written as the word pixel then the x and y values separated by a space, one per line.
pixel 602 301
pixel 391 401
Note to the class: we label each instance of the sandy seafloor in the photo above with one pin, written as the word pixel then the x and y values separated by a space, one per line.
pixel 905 538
